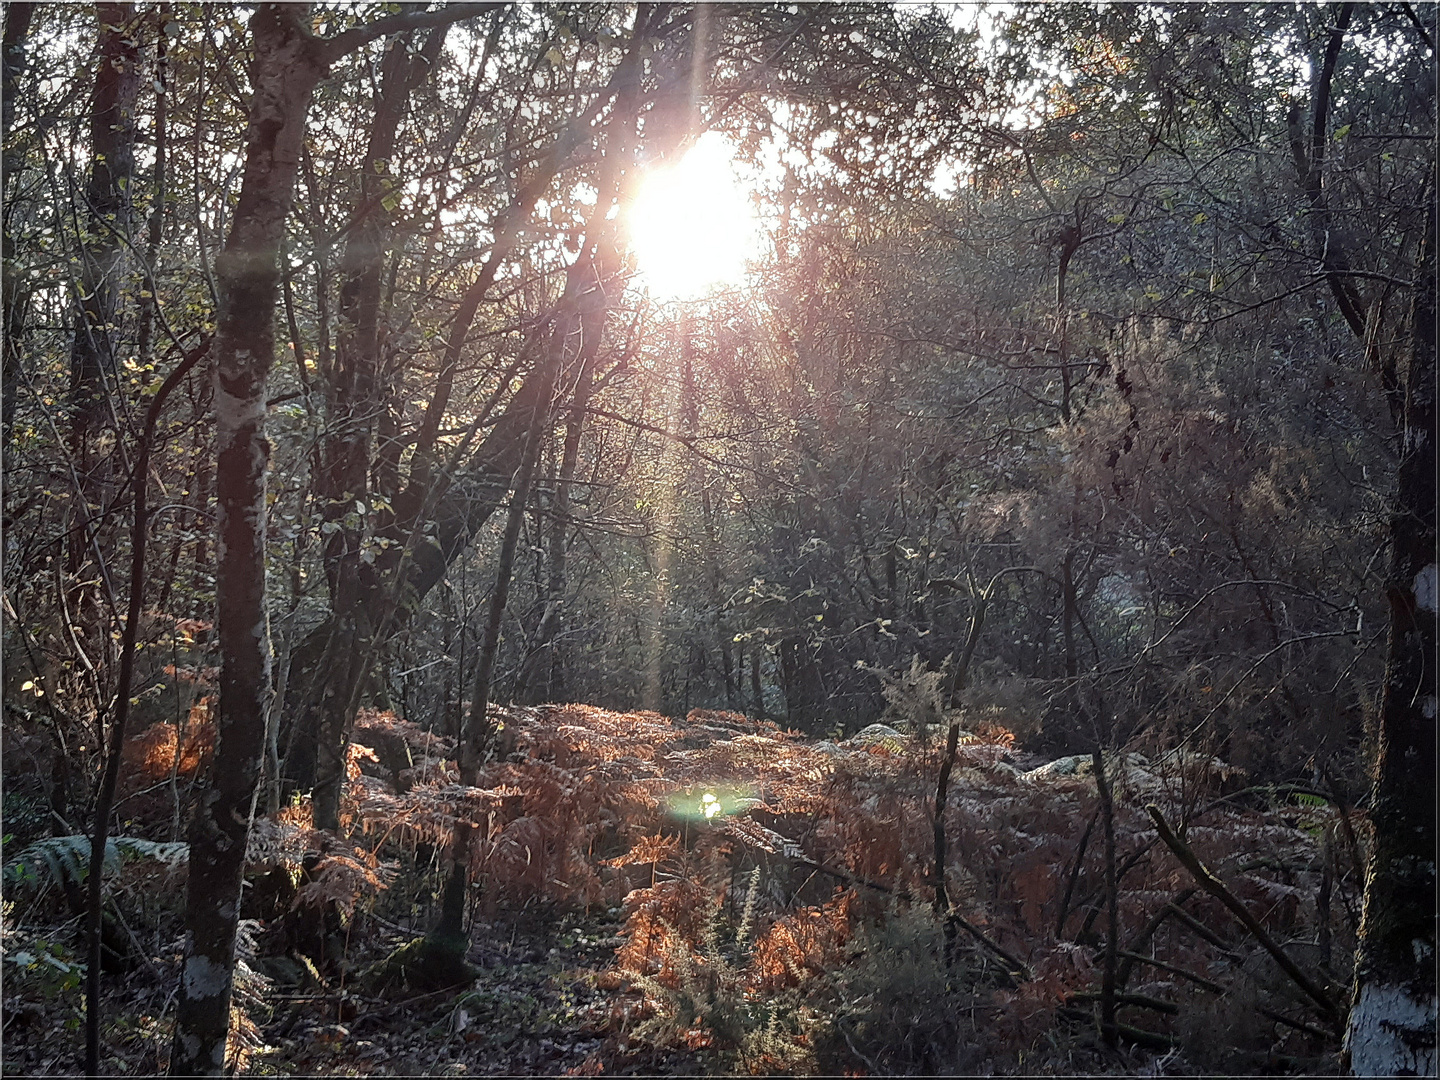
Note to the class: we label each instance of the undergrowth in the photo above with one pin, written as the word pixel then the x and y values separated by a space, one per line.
pixel 774 897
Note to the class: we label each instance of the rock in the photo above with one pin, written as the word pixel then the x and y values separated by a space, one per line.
pixel 875 734
pixel 1074 765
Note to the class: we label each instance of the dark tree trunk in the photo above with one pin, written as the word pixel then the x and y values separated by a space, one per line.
pixel 287 66
pixel 543 677
pixel 107 218
pixel 155 227
pixel 14 293
pixel 757 689
pixel 356 400
pixel 805 698
pixel 479 734
pixel 1392 1022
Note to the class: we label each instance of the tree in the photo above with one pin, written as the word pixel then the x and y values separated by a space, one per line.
pixel 1392 1021
pixel 289 62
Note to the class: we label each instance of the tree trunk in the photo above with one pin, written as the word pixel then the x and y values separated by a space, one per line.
pixel 16 294
pixel 286 69
pixel 479 735
pixel 155 227
pixel 355 400
pixel 107 220
pixel 543 678
pixel 1392 1021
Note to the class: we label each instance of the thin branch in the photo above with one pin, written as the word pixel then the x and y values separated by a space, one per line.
pixel 106 797
pixel 334 48
pixel 1216 888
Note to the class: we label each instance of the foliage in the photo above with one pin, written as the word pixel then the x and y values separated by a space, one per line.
pixel 67 858
pixel 1064 402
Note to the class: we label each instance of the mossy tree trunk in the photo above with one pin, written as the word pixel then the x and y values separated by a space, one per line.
pixel 1392 1020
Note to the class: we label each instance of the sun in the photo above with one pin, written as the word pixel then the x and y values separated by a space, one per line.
pixel 692 225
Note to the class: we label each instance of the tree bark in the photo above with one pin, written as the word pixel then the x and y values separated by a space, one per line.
pixel 355 400
pixel 287 67
pixel 1392 1020
pixel 14 293
pixel 107 218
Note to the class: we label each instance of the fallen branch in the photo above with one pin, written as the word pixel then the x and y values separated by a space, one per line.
pixel 1201 930
pixel 1298 1025
pixel 1198 980
pixel 851 879
pixel 1140 1001
pixel 1122 976
pixel 1213 885
pixel 1017 966
pixel 1148 1040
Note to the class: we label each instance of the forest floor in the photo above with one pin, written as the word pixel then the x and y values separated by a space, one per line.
pixel 717 896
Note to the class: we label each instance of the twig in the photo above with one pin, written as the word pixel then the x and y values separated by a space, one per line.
pixel 1017 966
pixel 1140 1001
pixel 1112 928
pixel 1213 885
pixel 1201 930
pixel 1149 1040
pixel 1198 980
pixel 849 878
pixel 1074 875
pixel 1143 938
pixel 1298 1025
pixel 407 1003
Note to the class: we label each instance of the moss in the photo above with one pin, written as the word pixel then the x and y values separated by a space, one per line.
pixel 426 964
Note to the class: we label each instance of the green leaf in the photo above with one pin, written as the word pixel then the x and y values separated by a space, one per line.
pixel 1342 131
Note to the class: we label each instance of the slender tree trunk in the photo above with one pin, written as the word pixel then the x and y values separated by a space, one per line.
pixel 286 69
pixel 155 227
pixel 546 658
pixel 107 217
pixel 1392 1021
pixel 757 690
pixel 479 733
pixel 355 402
pixel 105 797
pixel 14 293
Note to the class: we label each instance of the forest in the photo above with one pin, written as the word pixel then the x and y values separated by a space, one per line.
pixel 719 538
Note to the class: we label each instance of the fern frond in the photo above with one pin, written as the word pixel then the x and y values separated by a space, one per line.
pixel 67 858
